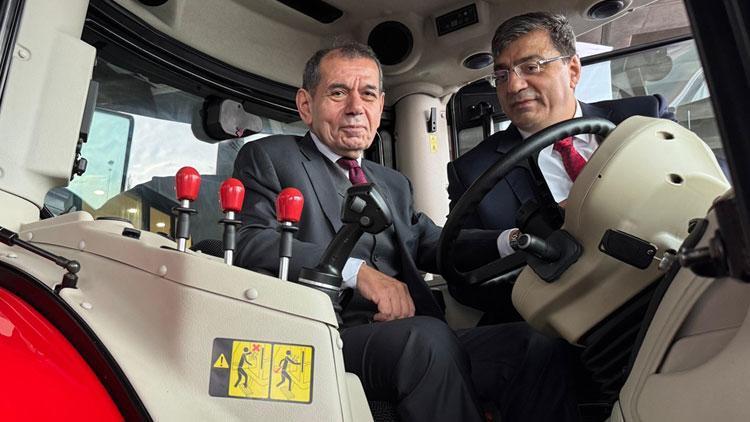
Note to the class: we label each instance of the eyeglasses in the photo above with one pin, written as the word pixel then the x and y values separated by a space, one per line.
pixel 523 70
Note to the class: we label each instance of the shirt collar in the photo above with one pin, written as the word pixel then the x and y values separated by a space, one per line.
pixel 328 152
pixel 578 113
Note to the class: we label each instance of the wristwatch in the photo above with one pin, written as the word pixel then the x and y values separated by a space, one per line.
pixel 513 238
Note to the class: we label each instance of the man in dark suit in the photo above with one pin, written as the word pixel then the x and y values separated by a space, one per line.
pixel 535 73
pixel 498 209
pixel 394 335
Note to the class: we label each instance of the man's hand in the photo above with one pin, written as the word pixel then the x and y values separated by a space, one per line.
pixel 391 295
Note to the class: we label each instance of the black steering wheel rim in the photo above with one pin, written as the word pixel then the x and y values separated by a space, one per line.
pixel 479 189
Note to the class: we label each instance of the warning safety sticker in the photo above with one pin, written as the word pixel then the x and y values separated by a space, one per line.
pixel 260 370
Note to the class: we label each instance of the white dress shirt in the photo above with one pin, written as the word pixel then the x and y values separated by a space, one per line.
pixel 551 165
pixel 351 268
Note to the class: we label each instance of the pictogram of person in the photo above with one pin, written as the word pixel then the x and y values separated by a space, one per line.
pixel 241 371
pixel 283 364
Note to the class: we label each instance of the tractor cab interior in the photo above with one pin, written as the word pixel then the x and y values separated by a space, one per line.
pixel 645 283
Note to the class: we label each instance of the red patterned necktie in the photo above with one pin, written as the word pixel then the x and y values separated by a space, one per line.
pixel 572 160
pixel 356 174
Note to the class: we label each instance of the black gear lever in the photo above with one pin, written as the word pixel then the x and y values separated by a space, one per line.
pixel 364 211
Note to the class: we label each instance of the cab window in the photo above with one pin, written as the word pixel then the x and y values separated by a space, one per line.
pixel 143 131
pixel 674 71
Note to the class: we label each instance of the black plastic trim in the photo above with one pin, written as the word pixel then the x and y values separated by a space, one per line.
pixel 628 248
pixel 456 19
pixel 10 18
pixel 569 250
pixel 722 33
pixel 316 9
pixel 455 148
pixel 610 55
pixel 609 345
pixel 80 335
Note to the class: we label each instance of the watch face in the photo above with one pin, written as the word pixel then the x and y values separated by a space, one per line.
pixel 513 239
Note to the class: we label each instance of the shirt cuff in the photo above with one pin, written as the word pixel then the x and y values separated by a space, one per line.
pixel 503 243
pixel 349 272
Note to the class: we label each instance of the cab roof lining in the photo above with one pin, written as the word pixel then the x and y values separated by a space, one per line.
pixel 269 39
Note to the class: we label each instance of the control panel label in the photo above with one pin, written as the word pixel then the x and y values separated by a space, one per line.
pixel 260 370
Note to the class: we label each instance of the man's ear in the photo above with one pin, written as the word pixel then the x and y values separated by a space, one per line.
pixel 304 106
pixel 574 70
pixel 381 99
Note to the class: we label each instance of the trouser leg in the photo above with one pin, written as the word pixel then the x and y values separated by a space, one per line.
pixel 524 373
pixel 417 363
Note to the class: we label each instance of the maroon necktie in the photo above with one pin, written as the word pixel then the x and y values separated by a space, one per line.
pixel 356 174
pixel 572 160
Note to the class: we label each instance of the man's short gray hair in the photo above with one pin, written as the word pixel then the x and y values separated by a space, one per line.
pixel 348 50
pixel 556 25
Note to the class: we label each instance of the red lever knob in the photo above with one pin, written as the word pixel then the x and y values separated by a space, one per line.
pixel 231 195
pixel 187 183
pixel 289 205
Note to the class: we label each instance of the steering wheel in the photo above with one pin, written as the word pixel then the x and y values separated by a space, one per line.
pixel 503 269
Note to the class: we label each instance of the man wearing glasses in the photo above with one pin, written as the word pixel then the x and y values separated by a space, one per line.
pixel 536 72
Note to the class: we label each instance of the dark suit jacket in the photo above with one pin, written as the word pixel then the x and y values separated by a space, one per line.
pixel 268 165
pixel 498 209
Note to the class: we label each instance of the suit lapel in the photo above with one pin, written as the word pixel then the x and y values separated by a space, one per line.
pixel 507 139
pixel 373 176
pixel 321 181
pixel 420 292
pixel 517 181
pixel 511 137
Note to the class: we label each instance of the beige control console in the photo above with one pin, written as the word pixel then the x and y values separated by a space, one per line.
pixel 648 179
pixel 182 325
